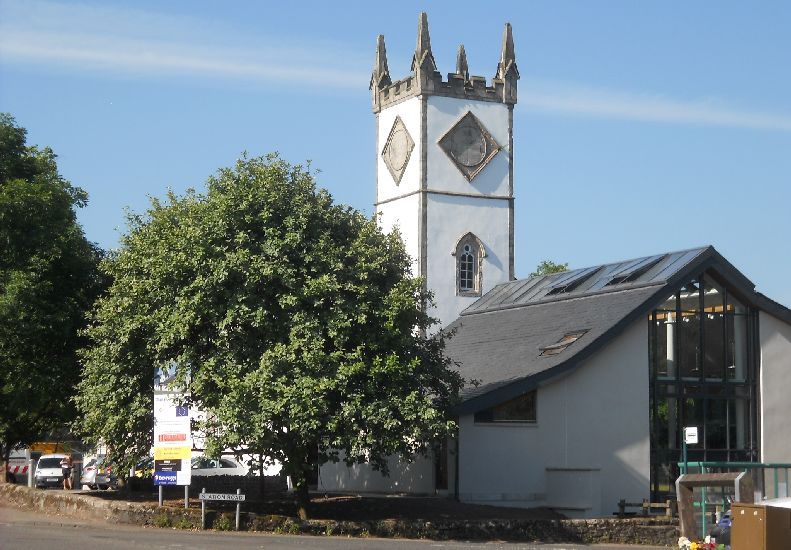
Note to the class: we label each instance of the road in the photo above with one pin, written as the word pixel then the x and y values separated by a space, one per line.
pixel 21 529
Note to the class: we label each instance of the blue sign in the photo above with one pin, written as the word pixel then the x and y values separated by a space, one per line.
pixel 182 411
pixel 164 478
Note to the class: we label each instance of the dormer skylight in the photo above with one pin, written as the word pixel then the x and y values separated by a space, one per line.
pixel 556 348
pixel 572 281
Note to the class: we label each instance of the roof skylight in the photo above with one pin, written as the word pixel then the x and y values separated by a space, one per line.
pixel 634 271
pixel 556 348
pixel 568 284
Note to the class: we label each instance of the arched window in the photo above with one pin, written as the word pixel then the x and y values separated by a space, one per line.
pixel 469 254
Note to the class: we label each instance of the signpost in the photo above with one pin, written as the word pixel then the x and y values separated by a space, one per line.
pixel 690 438
pixel 238 498
pixel 172 435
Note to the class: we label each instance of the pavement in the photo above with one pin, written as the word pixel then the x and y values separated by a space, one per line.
pixel 33 530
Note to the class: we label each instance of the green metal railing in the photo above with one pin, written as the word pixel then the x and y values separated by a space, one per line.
pixel 780 488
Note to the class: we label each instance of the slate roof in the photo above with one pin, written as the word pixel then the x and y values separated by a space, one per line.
pixel 498 340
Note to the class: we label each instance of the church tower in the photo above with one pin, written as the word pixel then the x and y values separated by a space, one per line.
pixel 445 170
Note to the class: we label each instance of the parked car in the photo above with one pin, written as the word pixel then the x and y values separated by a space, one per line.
pixel 48 471
pixel 97 474
pixel 203 466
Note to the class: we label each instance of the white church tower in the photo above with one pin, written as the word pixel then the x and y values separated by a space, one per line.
pixel 445 170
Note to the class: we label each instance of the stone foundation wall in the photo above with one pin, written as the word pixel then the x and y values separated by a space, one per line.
pixel 650 531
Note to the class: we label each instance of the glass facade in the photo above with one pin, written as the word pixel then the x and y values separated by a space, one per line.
pixel 702 356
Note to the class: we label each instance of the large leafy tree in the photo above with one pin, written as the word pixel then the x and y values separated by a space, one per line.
pixel 48 281
pixel 293 322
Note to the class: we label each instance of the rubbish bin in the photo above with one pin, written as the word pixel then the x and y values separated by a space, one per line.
pixel 763 526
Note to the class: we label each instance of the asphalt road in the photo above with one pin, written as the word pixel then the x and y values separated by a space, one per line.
pixel 20 529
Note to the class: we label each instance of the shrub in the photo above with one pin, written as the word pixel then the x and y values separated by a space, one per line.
pixel 162 520
pixel 223 523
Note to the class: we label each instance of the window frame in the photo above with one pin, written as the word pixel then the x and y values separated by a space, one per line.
pixel 487 416
pixel 477 251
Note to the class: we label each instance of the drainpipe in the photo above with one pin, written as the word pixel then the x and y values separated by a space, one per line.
pixel 456 472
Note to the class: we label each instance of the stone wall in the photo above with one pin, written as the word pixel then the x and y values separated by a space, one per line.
pixel 650 531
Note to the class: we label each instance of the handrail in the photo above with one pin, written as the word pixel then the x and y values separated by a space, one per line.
pixel 736 464
pixel 701 465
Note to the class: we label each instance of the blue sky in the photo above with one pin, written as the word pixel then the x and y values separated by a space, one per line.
pixel 641 127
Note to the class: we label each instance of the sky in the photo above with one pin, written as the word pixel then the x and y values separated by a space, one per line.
pixel 641 127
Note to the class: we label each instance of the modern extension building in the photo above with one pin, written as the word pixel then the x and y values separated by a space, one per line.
pixel 582 381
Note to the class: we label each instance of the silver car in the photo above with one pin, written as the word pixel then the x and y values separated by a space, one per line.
pixel 97 474
pixel 202 466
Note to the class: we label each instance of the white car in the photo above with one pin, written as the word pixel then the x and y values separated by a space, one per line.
pixel 203 466
pixel 48 471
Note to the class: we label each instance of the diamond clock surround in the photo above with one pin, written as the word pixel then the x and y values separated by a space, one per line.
pixel 469 145
pixel 397 150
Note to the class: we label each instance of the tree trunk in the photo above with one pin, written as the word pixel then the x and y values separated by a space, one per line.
pixel 4 464
pixel 6 453
pixel 303 499
pixel 261 478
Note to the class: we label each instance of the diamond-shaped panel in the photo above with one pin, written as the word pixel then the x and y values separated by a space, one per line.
pixel 469 145
pixel 397 150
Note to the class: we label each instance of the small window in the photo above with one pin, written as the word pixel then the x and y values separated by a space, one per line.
pixel 556 348
pixel 467 270
pixel 521 409
pixel 469 254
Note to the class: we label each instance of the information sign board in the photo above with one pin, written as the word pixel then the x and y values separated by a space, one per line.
pixel 172 433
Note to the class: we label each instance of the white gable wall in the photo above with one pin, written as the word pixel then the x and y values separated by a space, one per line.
pixel 775 389
pixel 589 448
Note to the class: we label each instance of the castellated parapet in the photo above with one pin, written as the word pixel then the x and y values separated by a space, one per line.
pixel 427 80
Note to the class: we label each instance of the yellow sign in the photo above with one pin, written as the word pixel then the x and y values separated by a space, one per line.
pixel 172 453
pixel 49 448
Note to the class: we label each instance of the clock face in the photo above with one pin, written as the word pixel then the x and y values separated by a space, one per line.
pixel 397 150
pixel 469 146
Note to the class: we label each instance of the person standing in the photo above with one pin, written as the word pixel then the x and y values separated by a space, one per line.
pixel 65 465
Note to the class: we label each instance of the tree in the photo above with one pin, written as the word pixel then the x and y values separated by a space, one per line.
pixel 48 281
pixel 293 322
pixel 548 267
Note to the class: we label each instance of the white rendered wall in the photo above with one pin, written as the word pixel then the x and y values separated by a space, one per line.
pixel 414 478
pixel 409 111
pixel 404 214
pixel 589 448
pixel 442 114
pixel 449 219
pixel 775 389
